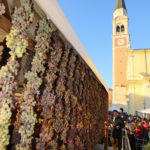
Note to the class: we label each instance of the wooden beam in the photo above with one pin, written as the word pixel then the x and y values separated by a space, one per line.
pixel 5 24
pixel 7 9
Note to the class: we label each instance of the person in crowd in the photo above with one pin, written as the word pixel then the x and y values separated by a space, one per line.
pixel 145 126
pixel 132 139
pixel 118 125
pixel 138 131
pixel 127 125
pixel 139 136
pixel 135 122
pixel 110 129
pixel 130 118
pixel 138 119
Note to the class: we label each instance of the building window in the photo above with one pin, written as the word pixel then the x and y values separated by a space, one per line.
pixel 117 29
pixel 122 28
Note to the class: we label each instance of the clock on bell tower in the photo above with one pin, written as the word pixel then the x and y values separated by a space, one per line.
pixel 121 44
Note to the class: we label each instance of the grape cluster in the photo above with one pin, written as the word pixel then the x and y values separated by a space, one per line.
pixel 17 38
pixel 48 101
pixel 17 42
pixel 34 80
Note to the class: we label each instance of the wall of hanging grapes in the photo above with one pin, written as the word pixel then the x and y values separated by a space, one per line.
pixel 63 106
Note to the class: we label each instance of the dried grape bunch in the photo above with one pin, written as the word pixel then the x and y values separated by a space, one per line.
pixel 47 114
pixel 17 42
pixel 61 82
pixel 52 111
pixel 54 145
pixel 60 88
pixel 70 72
pixel 71 65
pixel 17 39
pixel 57 44
pixel 58 125
pixel 48 100
pixel 45 136
pixel 34 80
pixel 63 65
pixel 51 77
pixel 55 58
pixel 66 118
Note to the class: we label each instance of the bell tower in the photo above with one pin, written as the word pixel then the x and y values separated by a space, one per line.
pixel 121 44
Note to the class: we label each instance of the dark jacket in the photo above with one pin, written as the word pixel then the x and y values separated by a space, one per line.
pixel 117 133
pixel 132 141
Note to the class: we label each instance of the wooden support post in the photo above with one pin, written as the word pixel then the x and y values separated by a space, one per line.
pixel 106 136
pixel 106 128
pixel 5 24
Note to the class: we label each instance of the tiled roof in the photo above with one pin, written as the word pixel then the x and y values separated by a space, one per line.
pixel 120 4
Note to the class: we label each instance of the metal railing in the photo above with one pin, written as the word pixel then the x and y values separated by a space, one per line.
pixel 125 141
pixel 140 143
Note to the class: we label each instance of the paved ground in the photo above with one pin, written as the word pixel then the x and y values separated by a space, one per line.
pixel 101 147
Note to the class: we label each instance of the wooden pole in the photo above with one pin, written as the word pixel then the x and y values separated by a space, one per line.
pixel 106 128
pixel 5 24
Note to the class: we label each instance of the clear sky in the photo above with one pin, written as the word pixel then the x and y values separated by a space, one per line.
pixel 92 22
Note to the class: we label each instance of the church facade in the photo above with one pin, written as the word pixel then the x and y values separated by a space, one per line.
pixel 131 68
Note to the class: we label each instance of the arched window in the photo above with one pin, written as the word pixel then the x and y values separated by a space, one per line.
pixel 122 28
pixel 117 29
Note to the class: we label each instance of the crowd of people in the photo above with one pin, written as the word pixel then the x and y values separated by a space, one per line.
pixel 134 127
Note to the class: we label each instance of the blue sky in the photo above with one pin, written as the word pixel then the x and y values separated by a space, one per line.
pixel 92 22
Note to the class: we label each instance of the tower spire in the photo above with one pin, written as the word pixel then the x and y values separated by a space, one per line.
pixel 120 4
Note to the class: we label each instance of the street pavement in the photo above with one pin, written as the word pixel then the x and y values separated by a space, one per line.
pixel 101 147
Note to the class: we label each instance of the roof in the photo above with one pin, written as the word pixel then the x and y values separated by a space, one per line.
pixel 144 111
pixel 139 50
pixel 120 4
pixel 144 49
pixel 110 89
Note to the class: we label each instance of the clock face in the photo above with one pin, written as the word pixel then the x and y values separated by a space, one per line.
pixel 120 42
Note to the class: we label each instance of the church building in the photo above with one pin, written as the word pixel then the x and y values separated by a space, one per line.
pixel 131 67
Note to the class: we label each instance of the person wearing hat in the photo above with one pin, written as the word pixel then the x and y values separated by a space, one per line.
pixel 118 125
